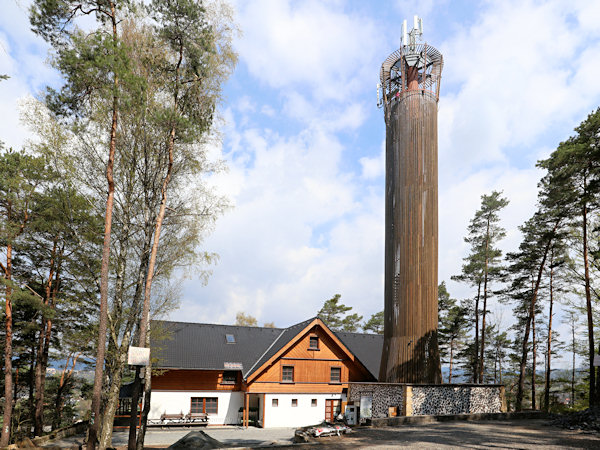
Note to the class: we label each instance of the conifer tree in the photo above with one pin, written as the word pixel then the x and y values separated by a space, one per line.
pixel 483 266
pixel 333 313
pixel 573 184
pixel 374 324
pixel 21 176
pixel 452 330
pixel 94 65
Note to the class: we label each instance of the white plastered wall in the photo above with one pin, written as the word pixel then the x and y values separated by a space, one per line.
pixel 173 402
pixel 286 415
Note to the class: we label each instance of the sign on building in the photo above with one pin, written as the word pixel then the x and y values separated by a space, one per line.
pixel 138 356
pixel 233 365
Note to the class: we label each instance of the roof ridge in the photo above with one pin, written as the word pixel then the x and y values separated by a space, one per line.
pixel 219 324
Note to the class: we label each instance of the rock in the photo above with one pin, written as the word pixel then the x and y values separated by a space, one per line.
pixel 197 439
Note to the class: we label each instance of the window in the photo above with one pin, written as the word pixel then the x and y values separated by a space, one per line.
pixel 294 402
pixel 275 403
pixel 287 374
pixel 313 402
pixel 208 405
pixel 313 343
pixel 336 375
pixel 230 338
pixel 229 377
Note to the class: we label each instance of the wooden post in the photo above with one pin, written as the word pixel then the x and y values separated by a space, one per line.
pixel 407 409
pixel 264 402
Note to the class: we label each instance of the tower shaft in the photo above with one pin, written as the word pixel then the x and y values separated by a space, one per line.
pixel 410 89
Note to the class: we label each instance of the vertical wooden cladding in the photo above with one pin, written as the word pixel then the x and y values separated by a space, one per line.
pixel 410 351
pixel 194 380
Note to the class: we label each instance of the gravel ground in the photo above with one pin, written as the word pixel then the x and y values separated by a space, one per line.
pixel 230 435
pixel 521 434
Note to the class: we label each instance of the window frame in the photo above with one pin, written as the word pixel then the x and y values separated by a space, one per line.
pixel 331 378
pixel 229 382
pixel 310 342
pixel 294 403
pixel 274 403
pixel 202 401
pixel 283 368
pixel 313 403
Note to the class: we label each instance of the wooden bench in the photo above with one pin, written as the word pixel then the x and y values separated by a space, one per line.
pixel 196 417
pixel 177 418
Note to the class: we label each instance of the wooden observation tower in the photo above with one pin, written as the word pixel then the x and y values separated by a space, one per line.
pixel 410 85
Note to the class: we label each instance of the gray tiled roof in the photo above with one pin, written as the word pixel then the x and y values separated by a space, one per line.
pixel 366 347
pixel 204 346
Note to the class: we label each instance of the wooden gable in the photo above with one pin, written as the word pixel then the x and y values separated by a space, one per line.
pixel 311 355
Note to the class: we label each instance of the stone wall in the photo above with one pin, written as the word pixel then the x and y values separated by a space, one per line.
pixel 384 395
pixel 435 400
pixel 440 399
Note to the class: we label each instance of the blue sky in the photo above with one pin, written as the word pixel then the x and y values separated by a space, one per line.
pixel 304 139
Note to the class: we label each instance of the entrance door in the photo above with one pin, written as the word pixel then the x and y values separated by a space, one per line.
pixel 332 409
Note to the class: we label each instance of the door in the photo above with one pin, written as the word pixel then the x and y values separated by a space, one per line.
pixel 332 409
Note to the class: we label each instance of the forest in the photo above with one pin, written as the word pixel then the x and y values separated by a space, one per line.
pixel 106 205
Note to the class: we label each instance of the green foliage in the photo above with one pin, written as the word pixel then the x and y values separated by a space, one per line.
pixel 453 322
pixel 333 313
pixel 375 324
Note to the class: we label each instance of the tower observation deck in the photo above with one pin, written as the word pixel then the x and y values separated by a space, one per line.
pixel 410 84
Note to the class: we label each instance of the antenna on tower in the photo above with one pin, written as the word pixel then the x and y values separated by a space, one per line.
pixel 409 38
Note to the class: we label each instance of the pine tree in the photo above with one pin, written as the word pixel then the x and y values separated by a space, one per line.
pixel 483 265
pixel 20 178
pixel 573 179
pixel 334 315
pixel 374 324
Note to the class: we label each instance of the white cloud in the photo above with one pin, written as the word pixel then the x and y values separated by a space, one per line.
pixel 311 43
pixel 373 168
pixel 522 69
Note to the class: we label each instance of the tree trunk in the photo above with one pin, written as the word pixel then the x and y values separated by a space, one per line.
pixel 485 292
pixel 573 362
pixel 8 381
pixel 533 362
pixel 112 402
pixel 451 358
pixel 549 343
pixel 476 355
pixel 500 368
pixel 43 341
pixel 145 319
pixel 523 363
pixel 102 325
pixel 588 301
pixel 146 408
